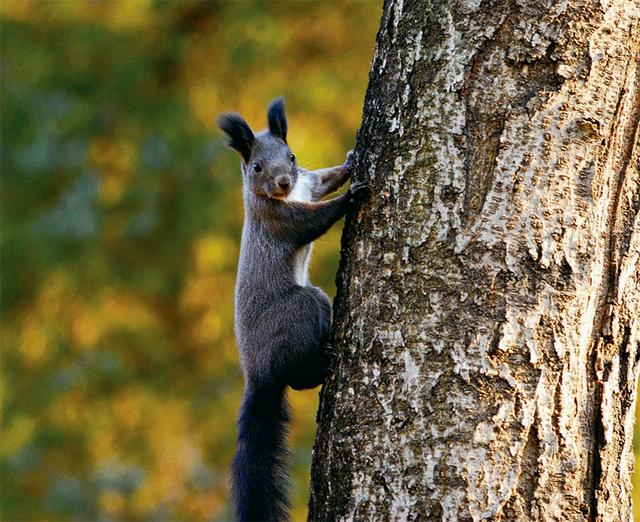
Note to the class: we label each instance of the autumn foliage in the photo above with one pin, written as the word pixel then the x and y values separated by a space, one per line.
pixel 121 216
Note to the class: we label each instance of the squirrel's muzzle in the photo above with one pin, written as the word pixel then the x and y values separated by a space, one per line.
pixel 283 182
pixel 283 187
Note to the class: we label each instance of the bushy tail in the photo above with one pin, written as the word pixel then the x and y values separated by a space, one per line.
pixel 259 477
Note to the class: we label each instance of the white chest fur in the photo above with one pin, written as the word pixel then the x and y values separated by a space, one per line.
pixel 303 193
pixel 303 189
pixel 301 265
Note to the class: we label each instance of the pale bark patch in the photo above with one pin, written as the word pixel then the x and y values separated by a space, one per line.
pixel 487 320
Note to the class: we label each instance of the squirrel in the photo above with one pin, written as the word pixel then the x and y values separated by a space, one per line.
pixel 282 322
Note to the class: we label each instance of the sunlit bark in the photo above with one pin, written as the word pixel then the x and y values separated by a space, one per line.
pixel 487 321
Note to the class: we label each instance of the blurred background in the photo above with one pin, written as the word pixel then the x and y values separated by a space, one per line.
pixel 121 217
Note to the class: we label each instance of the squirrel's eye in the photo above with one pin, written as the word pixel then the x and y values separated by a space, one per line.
pixel 257 167
pixel 293 158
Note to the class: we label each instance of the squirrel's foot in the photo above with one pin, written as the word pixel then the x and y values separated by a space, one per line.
pixel 331 358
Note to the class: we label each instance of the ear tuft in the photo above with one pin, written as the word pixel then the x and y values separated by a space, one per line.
pixel 277 119
pixel 239 135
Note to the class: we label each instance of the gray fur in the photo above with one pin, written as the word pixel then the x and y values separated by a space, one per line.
pixel 282 322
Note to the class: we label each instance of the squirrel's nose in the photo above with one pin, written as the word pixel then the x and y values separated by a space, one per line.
pixel 283 182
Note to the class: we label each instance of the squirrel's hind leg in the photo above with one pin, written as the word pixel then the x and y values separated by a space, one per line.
pixel 308 365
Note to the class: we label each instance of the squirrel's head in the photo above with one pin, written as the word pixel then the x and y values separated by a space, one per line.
pixel 268 165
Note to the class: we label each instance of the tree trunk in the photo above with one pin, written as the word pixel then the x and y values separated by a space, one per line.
pixel 487 320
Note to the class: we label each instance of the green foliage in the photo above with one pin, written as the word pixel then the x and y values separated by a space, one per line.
pixel 121 216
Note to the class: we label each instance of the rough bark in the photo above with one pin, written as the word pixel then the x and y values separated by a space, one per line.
pixel 487 321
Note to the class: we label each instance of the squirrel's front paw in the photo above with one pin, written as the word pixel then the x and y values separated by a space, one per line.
pixel 350 163
pixel 358 190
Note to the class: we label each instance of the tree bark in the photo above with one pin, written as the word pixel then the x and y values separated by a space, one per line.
pixel 487 320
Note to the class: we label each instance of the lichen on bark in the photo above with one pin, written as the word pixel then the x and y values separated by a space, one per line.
pixel 486 324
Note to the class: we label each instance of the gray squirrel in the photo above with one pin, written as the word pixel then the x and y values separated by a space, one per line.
pixel 282 322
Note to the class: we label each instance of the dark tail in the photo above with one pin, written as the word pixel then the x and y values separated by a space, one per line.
pixel 259 477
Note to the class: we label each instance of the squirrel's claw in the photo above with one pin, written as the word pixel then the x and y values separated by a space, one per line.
pixel 358 190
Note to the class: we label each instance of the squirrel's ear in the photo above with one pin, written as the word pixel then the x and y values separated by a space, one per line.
pixel 239 134
pixel 277 119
